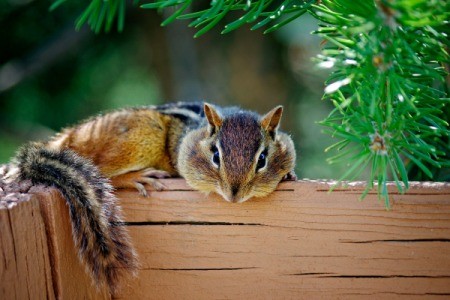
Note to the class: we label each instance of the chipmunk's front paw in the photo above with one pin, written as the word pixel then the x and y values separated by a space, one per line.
pixel 138 180
pixel 150 177
pixel 290 176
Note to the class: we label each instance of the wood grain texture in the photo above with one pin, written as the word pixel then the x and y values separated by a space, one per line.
pixel 70 279
pixel 25 271
pixel 301 242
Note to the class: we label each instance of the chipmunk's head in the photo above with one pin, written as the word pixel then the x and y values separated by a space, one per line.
pixel 238 154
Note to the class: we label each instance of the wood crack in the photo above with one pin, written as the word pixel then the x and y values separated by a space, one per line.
pixel 443 240
pixel 202 269
pixel 309 274
pixel 192 223
pixel 386 276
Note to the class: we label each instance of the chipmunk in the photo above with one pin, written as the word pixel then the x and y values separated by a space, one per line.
pixel 229 151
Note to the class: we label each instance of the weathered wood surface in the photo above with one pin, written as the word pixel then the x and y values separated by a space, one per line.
pixel 71 281
pixel 301 242
pixel 25 271
pixel 37 255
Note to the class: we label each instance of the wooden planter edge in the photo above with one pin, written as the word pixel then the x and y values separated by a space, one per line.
pixel 39 258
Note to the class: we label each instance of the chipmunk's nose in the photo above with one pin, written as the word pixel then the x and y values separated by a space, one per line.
pixel 234 190
pixel 234 194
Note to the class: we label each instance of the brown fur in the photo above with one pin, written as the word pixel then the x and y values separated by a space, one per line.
pixel 134 147
pixel 121 141
pixel 241 137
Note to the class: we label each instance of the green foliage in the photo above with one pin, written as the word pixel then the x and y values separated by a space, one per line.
pixel 266 11
pixel 101 72
pixel 388 83
pixel 388 87
pixel 100 14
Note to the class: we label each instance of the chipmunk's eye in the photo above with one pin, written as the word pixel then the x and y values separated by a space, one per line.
pixel 215 156
pixel 261 160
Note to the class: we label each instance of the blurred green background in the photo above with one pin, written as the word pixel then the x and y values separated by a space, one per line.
pixel 52 76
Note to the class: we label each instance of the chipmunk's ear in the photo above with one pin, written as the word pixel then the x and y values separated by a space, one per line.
pixel 271 120
pixel 214 118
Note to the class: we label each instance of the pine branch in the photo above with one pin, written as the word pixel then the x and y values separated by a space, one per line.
pixel 100 14
pixel 387 86
pixel 264 11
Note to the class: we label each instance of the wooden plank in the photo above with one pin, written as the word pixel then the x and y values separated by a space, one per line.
pixel 71 281
pixel 299 242
pixel 25 271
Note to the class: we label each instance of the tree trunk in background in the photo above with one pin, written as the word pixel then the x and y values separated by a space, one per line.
pixel 242 67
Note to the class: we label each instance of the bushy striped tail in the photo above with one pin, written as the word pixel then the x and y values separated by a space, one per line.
pixel 103 244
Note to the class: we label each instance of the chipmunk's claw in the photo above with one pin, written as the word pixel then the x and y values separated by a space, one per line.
pixel 291 176
pixel 141 189
pixel 139 179
pixel 155 184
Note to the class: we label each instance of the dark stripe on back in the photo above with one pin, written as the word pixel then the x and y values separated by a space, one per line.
pixel 195 107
